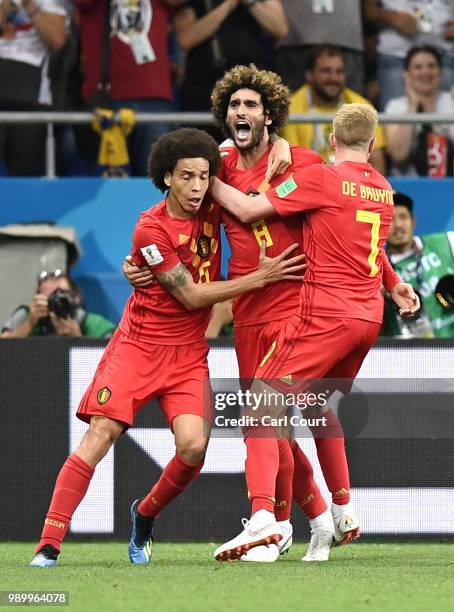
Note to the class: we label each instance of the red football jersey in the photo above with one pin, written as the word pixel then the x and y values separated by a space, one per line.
pixel 275 301
pixel 351 207
pixel 160 241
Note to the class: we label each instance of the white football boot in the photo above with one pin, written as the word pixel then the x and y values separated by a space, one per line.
pixel 261 529
pixel 322 537
pixel 268 554
pixel 346 525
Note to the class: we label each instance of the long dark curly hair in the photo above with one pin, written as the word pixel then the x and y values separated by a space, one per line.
pixel 275 95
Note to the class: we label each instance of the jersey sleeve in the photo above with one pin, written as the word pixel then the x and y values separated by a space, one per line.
pixel 152 247
pixel 303 158
pixel 301 191
pixel 390 277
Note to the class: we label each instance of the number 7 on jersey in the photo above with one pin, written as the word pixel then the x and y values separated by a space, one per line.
pixel 366 216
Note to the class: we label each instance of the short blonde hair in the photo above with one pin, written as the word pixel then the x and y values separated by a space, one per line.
pixel 354 125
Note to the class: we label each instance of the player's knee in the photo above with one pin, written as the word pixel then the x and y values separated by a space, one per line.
pixel 192 450
pixel 100 436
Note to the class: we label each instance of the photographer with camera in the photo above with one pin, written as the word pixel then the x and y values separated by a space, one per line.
pixel 55 310
pixel 427 262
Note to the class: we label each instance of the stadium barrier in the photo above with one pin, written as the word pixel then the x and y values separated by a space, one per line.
pixel 79 118
pixel 400 445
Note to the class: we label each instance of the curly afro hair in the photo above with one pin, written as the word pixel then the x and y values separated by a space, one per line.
pixel 275 95
pixel 185 143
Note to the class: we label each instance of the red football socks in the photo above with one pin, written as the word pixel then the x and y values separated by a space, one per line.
pixel 284 481
pixel 305 490
pixel 333 460
pixel 262 465
pixel 175 478
pixel 70 488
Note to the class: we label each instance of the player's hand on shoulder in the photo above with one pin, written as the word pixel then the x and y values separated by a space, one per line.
pixel 405 299
pixel 137 277
pixel 279 159
pixel 282 267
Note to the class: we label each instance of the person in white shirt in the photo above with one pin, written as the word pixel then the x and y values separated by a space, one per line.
pixel 29 31
pixel 404 24
pixel 421 149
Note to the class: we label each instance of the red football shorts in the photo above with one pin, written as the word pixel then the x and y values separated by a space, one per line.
pixel 252 342
pixel 130 374
pixel 318 347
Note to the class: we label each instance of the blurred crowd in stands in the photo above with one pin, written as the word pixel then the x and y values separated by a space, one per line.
pixel 166 55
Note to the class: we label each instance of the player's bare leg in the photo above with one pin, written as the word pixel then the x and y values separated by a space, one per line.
pixel 191 439
pixel 71 486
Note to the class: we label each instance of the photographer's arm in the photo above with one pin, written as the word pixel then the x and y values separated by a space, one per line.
pixel 27 319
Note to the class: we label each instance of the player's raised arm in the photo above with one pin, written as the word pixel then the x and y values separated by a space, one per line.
pixel 179 282
pixel 239 204
pixel 299 192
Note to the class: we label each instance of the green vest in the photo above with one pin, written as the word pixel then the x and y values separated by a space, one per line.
pixel 92 326
pixel 431 259
pixel 96 326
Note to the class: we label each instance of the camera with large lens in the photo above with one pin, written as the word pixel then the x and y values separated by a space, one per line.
pixel 62 303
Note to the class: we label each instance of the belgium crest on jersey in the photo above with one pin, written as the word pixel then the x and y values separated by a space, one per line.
pixel 104 395
pixel 203 246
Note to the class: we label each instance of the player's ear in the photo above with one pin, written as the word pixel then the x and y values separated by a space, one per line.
pixel 332 140
pixel 167 179
pixel 371 146
pixel 268 120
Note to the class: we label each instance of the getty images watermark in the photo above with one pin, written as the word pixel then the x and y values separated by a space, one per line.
pixel 268 408
pixel 366 408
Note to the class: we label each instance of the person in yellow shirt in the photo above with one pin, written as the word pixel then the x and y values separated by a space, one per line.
pixel 325 92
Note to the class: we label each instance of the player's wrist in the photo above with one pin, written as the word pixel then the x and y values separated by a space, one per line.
pixel 395 287
pixel 261 279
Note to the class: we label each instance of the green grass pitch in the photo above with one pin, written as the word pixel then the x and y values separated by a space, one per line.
pixel 397 577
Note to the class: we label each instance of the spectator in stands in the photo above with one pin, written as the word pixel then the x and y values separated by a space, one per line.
pixel 325 92
pixel 318 22
pixel 55 310
pixel 421 261
pixel 417 149
pixel 139 68
pixel 216 39
pixel 29 31
pixel 405 24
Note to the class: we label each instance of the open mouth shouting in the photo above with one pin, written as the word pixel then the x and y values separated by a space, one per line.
pixel 242 131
